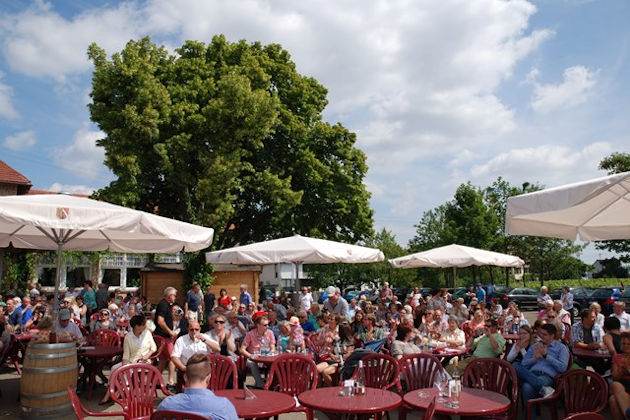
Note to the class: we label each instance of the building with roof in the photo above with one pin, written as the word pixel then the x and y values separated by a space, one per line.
pixel 12 182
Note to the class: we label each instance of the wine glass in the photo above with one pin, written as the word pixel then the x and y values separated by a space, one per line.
pixel 441 383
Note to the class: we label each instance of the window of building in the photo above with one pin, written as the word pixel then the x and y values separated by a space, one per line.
pixel 76 276
pixel 133 277
pixel 111 277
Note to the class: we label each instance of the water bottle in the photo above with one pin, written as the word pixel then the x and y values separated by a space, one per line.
pixel 264 347
pixel 339 353
pixel 359 383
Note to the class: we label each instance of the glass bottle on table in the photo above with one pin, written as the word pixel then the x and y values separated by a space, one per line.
pixel 359 383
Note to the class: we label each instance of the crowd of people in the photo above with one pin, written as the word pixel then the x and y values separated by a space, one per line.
pixel 335 330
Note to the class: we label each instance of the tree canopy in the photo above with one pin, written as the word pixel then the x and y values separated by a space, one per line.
pixel 227 135
pixel 476 217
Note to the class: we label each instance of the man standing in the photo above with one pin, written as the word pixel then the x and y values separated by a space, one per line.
pixel 543 297
pixel 306 299
pixel 385 294
pixel 164 325
pixel 567 300
pixel 335 304
pixel 197 398
pixel 586 335
pixel 208 302
pixel 245 298
pixel 543 361
pixel 280 311
pixel 192 305
pixel 619 312
pixel 481 293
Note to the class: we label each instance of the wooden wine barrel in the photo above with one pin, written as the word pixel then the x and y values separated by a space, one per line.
pixel 48 369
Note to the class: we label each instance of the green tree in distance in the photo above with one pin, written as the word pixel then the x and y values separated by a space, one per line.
pixel 614 164
pixel 227 135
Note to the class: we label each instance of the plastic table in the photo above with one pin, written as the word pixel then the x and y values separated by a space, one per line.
pixel 472 402
pixel 266 403
pixel 328 400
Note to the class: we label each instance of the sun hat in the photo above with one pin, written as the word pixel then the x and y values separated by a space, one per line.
pixel 294 321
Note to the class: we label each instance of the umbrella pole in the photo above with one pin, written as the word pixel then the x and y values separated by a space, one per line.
pixel 296 296
pixel 58 274
pixel 454 277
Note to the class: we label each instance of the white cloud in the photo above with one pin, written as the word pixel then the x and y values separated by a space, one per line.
pixel 577 85
pixel 82 157
pixel 21 141
pixel 7 110
pixel 552 164
pixel 71 189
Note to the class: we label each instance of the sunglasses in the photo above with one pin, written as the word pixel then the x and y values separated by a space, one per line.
pixel 265 325
pixel 219 322
pixel 194 329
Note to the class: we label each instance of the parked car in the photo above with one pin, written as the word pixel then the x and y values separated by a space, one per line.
pixel 581 297
pixel 524 297
pixel 625 297
pixel 606 297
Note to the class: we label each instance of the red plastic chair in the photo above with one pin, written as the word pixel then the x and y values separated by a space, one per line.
pixel 222 369
pixel 293 374
pixel 134 387
pixel 492 374
pixel 159 343
pixel 103 337
pixel 381 371
pixel 585 416
pixel 176 415
pixel 417 371
pixel 566 337
pixel 430 411
pixel 80 410
pixel 582 391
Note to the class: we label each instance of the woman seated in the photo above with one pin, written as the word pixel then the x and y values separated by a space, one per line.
pixel 104 322
pixel 357 322
pixel 612 338
pixel 223 336
pixel 453 336
pixel 138 346
pixel 404 342
pixel 596 307
pixel 341 348
pixel 619 400
pixel 519 349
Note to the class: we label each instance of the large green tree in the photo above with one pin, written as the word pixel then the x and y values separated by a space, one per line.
pixel 614 164
pixel 227 135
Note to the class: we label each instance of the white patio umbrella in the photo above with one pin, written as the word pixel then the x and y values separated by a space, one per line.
pixel 295 250
pixel 455 256
pixel 63 222
pixel 598 209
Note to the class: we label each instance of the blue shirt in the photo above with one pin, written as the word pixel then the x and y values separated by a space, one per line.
pixel 308 327
pixel 26 314
pixel 555 362
pixel 193 300
pixel 245 298
pixel 481 295
pixel 200 401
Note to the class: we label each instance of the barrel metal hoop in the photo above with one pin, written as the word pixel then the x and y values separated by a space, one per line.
pixel 35 410
pixel 45 396
pixel 50 370
pixel 49 355
pixel 53 345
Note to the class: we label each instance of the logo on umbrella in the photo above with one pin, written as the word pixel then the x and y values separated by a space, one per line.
pixel 63 212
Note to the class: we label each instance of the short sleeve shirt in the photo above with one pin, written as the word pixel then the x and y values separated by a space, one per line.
pixel 164 309
pixel 193 301
pixel 252 340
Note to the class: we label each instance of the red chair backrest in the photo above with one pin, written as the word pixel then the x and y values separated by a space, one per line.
pixel 222 369
pixel 104 337
pixel 134 388
pixel 566 337
pixel 584 390
pixel 381 371
pixel 292 374
pixel 591 415
pixel 95 316
pixel 496 375
pixel 418 370
pixel 428 413
pixel 159 343
pixel 176 415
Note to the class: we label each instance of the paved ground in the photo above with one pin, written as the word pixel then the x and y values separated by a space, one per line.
pixel 10 408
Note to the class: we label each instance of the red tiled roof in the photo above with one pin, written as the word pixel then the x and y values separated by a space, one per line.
pixel 8 175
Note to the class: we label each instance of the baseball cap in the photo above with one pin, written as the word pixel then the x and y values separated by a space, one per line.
pixel 64 315
pixel 330 290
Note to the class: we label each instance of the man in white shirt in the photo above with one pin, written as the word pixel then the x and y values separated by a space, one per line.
pixel 619 312
pixel 193 342
pixel 306 299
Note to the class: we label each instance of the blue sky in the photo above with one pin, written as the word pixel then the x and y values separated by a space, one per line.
pixel 438 92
